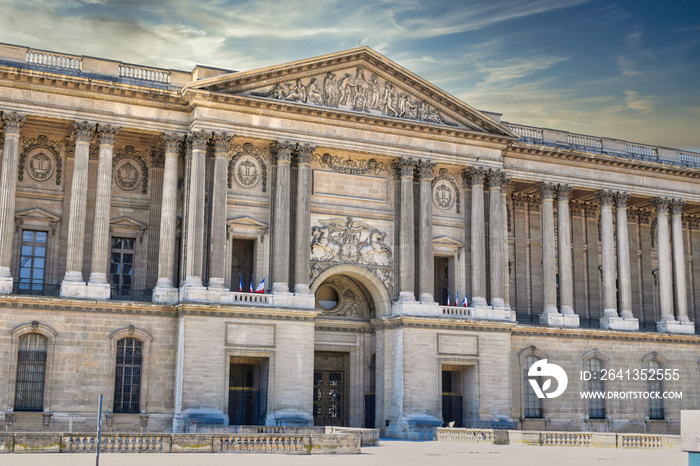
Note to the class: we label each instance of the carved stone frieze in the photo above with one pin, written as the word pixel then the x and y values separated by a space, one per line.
pixel 350 303
pixel 41 158
pixel 350 166
pixel 247 166
pixel 355 92
pixel 446 193
pixel 130 169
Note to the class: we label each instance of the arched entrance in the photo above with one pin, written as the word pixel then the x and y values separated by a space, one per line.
pixel 371 286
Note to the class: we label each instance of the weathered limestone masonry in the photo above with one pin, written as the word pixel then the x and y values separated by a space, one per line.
pixel 140 206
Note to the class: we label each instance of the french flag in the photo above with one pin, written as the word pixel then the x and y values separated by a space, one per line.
pixel 464 303
pixel 456 298
pixel 261 287
pixel 240 283
pixel 250 289
pixel 448 297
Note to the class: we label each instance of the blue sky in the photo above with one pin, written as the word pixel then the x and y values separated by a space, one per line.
pixel 625 69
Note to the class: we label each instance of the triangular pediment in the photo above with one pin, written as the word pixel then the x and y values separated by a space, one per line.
pixel 127 222
pixel 358 81
pixel 446 241
pixel 246 226
pixel 37 214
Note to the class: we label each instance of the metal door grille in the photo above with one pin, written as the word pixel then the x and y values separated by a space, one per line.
pixel 329 398
pixel 31 373
pixel 127 385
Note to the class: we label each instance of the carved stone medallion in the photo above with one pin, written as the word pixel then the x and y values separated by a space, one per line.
pixel 127 174
pixel 247 172
pixel 443 195
pixel 40 165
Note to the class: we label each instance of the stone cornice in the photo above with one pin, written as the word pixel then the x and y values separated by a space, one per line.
pixel 97 307
pixel 597 334
pixel 246 312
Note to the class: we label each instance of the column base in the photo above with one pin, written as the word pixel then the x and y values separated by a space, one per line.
pixel 620 323
pixel 97 290
pixel 165 294
pixel 6 285
pixel 301 288
pixel 193 293
pixel 280 287
pixel 407 297
pixel 217 284
pixel 73 289
pixel 478 301
pixel 426 298
pixel 673 326
pixel 552 319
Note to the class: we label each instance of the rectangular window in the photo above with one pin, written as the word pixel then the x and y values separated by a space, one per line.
pixel 32 262
pixel 596 406
pixel 531 403
pixel 127 384
pixel 121 268
pixel 31 373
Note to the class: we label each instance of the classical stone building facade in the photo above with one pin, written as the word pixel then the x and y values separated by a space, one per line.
pixel 135 202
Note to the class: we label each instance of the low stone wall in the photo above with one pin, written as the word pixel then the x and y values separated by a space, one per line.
pixel 308 443
pixel 369 437
pixel 574 439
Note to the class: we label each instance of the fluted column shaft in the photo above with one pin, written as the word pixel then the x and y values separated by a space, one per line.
pixel 566 278
pixel 478 243
pixel 549 275
pixel 426 267
pixel 504 227
pixel 83 132
pixel 168 213
pixel 607 239
pixel 280 237
pixel 302 266
pixel 195 209
pixel 8 188
pixel 406 231
pixel 495 179
pixel 679 261
pixel 103 204
pixel 624 281
pixel 665 269
pixel 217 243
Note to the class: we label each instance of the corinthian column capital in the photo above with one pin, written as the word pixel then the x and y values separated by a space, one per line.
pixel 12 122
pixel 282 151
pixel 546 190
pixel 83 131
pixel 303 152
pixel 222 142
pixel 662 205
pixel 621 199
pixel 606 197
pixel 106 134
pixel 474 176
pixel 172 141
pixel 404 167
pixel 425 170
pixel 198 139
pixel 564 191
pixel 677 206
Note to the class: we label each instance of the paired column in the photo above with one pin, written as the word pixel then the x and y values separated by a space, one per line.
pixel 302 266
pixel 478 240
pixel 282 151
pixel 664 251
pixel 8 186
pixel 98 285
pixel 73 284
pixel 194 236
pixel 426 266
pixel 566 278
pixel 405 168
pixel 165 291
pixel 679 261
pixel 607 239
pixel 504 227
pixel 217 243
pixel 549 275
pixel 624 281
pixel 495 180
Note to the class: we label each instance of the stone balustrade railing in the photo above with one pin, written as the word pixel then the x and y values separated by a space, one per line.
pixel 117 444
pixel 640 441
pixel 251 298
pixel 457 311
pixel 54 60
pixel 260 443
pixel 145 74
pixel 465 435
pixel 567 438
pixel 585 141
pixel 527 132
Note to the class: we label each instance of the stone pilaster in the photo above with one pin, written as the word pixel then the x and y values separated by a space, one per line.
pixel 549 275
pixel 73 285
pixel 607 240
pixel 478 240
pixel 217 243
pixel 165 291
pixel 495 180
pixel 426 267
pixel 194 221
pixel 406 232
pixel 504 226
pixel 98 285
pixel 282 151
pixel 566 278
pixel 12 123
pixel 302 254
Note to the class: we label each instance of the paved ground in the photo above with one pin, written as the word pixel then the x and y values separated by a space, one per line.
pixel 391 452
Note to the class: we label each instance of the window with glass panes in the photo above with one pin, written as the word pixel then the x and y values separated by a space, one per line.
pixel 121 268
pixel 32 260
pixel 596 406
pixel 127 383
pixel 531 403
pixel 31 372
pixel 656 405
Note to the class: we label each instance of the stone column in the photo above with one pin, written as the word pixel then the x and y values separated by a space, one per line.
pixel 549 275
pixel 426 261
pixel 607 240
pixel 165 291
pixel 624 281
pixel 194 223
pixel 98 285
pixel 495 179
pixel 679 261
pixel 664 252
pixel 73 285
pixel 406 232
pixel 504 225
pixel 566 279
pixel 282 151
pixel 8 187
pixel 478 242
pixel 219 195
pixel 302 254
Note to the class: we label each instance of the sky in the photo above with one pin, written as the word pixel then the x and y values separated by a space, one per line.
pixel 622 69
